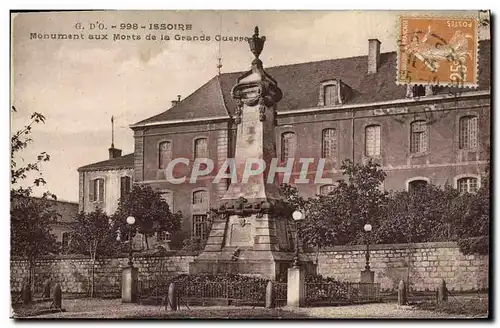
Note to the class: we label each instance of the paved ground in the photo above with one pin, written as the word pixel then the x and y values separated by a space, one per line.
pixel 97 308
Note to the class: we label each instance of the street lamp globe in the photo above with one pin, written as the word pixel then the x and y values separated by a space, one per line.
pixel 130 220
pixel 368 227
pixel 297 216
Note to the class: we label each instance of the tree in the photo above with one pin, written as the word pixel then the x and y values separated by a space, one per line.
pixel 150 210
pixel 92 234
pixel 474 224
pixel 30 217
pixel 338 218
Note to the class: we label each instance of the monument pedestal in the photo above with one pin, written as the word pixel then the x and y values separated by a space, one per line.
pixel 366 288
pixel 367 276
pixel 252 245
pixel 245 238
pixel 129 284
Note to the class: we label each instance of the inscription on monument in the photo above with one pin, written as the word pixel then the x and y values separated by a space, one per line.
pixel 241 235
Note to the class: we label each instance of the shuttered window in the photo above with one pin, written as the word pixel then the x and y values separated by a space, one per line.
pixel 329 144
pixel 96 190
pixel 372 141
pixel 418 137
pixel 201 148
pixel 468 132
pixel 125 186
pixel 331 95
pixel 288 145
pixel 164 154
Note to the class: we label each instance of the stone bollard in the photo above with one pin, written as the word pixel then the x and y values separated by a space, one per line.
pixel 46 289
pixel 402 297
pixel 171 301
pixel 57 296
pixel 269 295
pixel 442 292
pixel 26 294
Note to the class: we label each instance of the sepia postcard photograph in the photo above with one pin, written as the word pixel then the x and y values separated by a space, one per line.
pixel 244 164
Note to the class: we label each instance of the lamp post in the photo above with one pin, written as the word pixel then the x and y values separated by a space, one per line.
pixel 367 276
pixel 368 229
pixel 130 222
pixel 297 217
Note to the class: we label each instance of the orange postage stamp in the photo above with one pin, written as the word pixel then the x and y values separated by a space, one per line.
pixel 438 51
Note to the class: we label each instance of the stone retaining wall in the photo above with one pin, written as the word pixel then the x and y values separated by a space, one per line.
pixel 73 272
pixel 430 262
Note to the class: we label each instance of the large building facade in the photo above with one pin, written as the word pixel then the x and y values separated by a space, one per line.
pixel 349 108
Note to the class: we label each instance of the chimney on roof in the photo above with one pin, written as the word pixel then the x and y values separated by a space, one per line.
pixel 373 55
pixel 113 152
pixel 175 102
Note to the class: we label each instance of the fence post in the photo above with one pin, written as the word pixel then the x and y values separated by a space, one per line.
pixel 269 295
pixel 402 297
pixel 57 297
pixel 46 289
pixel 296 292
pixel 171 303
pixel 26 293
pixel 442 292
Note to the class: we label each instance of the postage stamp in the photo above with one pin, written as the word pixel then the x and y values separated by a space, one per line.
pixel 437 51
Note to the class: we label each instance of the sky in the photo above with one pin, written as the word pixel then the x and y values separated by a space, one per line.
pixel 79 84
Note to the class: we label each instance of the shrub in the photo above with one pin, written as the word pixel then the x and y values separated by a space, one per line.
pixel 326 289
pixel 193 244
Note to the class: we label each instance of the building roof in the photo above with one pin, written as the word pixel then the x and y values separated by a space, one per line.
pixel 300 84
pixel 66 209
pixel 122 162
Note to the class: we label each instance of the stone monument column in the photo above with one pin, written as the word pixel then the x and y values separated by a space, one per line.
pixel 245 238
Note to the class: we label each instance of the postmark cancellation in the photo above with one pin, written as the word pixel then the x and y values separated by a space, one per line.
pixel 437 51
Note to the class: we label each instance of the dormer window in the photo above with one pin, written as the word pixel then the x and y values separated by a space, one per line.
pixel 333 93
pixel 417 91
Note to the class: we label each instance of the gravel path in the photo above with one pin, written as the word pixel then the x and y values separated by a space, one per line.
pixel 115 309
pixel 378 310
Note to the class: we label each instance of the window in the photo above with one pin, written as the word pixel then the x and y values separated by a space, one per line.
pixel 200 226
pixel 372 140
pixel 65 241
pixel 326 189
pixel 288 145
pixel 96 192
pixel 162 236
pixel 331 95
pixel 125 186
pixel 164 154
pixel 418 137
pixel 329 144
pixel 200 197
pixel 168 197
pixel 416 185
pixel 201 148
pixel 468 184
pixel 468 132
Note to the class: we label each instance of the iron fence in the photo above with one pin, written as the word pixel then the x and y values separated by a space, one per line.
pixel 227 293
pixel 245 293
pixel 204 293
pixel 280 293
pixel 341 293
